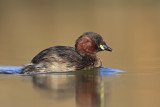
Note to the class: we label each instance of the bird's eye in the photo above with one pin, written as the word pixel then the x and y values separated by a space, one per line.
pixel 101 46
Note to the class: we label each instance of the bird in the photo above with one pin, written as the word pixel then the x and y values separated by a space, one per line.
pixel 65 58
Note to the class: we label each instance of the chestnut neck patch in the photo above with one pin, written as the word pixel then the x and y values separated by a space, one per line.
pixel 86 45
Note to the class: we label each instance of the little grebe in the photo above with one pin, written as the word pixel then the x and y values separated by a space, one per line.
pixel 64 58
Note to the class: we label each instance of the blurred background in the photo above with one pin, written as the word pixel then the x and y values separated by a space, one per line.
pixel 130 27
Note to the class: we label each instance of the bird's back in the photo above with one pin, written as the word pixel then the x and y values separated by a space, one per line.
pixel 54 59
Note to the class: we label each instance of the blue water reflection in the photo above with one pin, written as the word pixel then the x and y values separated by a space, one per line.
pixel 17 70
pixel 109 71
pixel 10 69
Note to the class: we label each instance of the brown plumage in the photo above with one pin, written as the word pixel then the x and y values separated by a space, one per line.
pixel 64 58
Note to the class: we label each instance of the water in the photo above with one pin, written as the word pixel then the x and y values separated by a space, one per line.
pixel 81 89
pixel 130 28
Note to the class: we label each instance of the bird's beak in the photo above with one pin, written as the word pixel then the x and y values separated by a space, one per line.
pixel 105 47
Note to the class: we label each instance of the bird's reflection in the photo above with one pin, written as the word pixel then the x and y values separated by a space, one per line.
pixel 57 86
pixel 85 86
pixel 88 88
